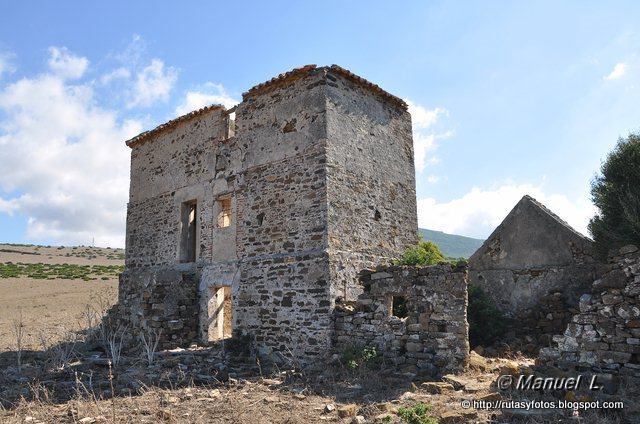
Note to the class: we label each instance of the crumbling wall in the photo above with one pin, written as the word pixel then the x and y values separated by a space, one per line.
pixel 605 335
pixel 319 172
pixel 162 302
pixel 534 267
pixel 433 337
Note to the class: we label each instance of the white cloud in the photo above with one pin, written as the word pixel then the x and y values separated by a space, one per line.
pixel 618 72
pixel 480 211
pixel 5 63
pixel 207 94
pixel 116 74
pixel 432 179
pixel 153 83
pixel 66 65
pixel 64 164
pixel 425 138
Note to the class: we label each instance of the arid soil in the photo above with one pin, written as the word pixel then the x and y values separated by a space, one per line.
pixel 50 308
pixel 65 376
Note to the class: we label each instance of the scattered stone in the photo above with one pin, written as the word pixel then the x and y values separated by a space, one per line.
pixel 87 420
pixel 452 418
pixel 436 387
pixel 458 383
pixel 346 411
pixel 358 419
pixel 384 418
pixel 491 397
pixel 329 408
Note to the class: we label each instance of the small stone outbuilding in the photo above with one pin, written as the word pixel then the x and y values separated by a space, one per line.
pixel 534 267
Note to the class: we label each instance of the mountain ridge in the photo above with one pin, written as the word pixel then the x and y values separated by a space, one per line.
pixel 452 245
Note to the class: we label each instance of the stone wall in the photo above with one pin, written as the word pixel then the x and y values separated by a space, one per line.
pixel 163 301
pixel 605 335
pixel 534 267
pixel 319 175
pixel 370 182
pixel 432 339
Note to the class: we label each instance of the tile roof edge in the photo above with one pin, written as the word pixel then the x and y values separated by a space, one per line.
pixel 144 136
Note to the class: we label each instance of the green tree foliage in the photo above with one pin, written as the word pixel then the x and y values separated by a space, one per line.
pixel 486 322
pixel 427 253
pixel 616 194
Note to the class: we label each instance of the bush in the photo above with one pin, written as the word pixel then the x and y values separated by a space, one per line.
pixel 427 253
pixel 418 413
pixel 357 356
pixel 616 194
pixel 486 322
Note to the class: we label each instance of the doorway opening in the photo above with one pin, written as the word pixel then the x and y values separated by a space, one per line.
pixel 220 313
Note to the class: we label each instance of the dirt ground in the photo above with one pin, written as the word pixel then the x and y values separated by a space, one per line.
pixel 51 308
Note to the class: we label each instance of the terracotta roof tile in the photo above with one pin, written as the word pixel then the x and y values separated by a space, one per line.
pixel 285 77
pixel 303 71
pixel 144 136
pixel 368 85
pixel 281 79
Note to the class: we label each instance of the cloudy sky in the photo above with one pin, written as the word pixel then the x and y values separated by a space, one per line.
pixel 507 98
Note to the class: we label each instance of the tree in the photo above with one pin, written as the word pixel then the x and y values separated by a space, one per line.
pixel 616 194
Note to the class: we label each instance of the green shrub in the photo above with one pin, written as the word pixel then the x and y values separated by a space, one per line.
pixel 427 253
pixel 357 356
pixel 418 413
pixel 486 322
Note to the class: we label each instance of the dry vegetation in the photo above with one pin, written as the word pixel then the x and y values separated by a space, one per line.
pixel 57 366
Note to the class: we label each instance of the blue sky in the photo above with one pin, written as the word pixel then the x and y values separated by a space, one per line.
pixel 507 98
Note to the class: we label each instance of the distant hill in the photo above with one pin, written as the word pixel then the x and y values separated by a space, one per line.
pixel 453 246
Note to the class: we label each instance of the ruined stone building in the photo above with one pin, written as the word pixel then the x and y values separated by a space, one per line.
pixel 258 224
pixel 534 267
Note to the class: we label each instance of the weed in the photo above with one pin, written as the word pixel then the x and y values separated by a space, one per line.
pixel 418 413
pixel 150 339
pixel 18 330
pixel 357 356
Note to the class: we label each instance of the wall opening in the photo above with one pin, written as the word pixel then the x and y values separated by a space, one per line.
pixel 189 233
pixel 224 212
pixel 230 124
pixel 398 306
pixel 220 313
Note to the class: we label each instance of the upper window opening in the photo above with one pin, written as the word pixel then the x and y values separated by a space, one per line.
pixel 230 125
pixel 224 213
pixel 189 241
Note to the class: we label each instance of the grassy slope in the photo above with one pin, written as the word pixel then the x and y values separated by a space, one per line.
pixel 453 246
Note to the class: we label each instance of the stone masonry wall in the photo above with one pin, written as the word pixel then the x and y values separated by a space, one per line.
pixel 534 267
pixel 605 335
pixel 318 174
pixel 163 301
pixel 433 337
pixel 370 183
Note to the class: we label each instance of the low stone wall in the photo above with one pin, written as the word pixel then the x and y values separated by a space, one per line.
pixel 605 335
pixel 164 301
pixel 431 338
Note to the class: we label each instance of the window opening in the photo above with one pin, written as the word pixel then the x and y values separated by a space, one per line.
pixel 189 232
pixel 224 212
pixel 399 306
